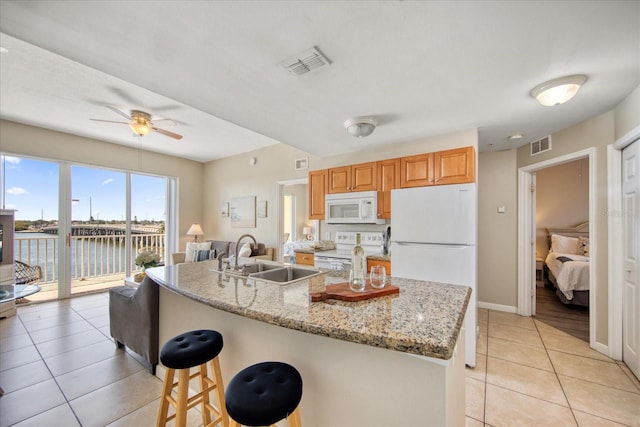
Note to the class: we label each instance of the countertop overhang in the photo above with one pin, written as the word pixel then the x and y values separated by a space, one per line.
pixel 425 318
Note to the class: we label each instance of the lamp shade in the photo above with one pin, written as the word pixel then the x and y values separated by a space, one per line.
pixel 558 91
pixel 195 230
pixel 306 230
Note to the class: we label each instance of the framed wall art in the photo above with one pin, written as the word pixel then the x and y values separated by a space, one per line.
pixel 242 211
pixel 224 209
pixel 262 209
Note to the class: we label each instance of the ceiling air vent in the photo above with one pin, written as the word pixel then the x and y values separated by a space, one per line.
pixel 308 60
pixel 541 145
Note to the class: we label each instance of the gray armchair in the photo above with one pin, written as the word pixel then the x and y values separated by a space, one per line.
pixel 133 315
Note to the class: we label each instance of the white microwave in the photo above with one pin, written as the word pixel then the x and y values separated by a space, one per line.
pixel 352 208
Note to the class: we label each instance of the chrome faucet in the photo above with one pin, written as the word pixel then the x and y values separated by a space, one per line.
pixel 238 247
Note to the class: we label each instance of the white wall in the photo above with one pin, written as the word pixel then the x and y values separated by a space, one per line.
pixel 497 237
pixel 627 114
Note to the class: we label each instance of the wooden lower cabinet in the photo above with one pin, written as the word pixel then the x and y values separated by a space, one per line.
pixel 385 264
pixel 304 258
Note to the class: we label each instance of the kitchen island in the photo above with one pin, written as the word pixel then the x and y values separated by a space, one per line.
pixel 391 361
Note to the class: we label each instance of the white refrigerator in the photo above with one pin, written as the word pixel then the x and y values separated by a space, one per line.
pixel 433 238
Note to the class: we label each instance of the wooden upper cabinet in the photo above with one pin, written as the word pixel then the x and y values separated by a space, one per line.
pixel 317 190
pixel 455 166
pixel 360 177
pixel 340 179
pixel 416 171
pixel 388 179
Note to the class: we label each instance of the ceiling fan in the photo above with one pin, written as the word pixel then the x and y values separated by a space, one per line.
pixel 140 122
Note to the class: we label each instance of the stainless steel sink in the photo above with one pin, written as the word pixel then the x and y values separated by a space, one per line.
pixel 286 275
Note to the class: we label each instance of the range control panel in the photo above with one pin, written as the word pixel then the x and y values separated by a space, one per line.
pixel 348 239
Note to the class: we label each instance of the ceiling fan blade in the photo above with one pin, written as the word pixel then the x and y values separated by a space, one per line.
pixel 167 133
pixel 108 121
pixel 115 110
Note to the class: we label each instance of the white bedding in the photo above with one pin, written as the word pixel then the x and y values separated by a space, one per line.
pixel 571 275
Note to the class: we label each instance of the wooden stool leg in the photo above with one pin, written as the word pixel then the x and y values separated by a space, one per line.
pixel 217 373
pixel 204 398
pixel 183 396
pixel 294 419
pixel 164 402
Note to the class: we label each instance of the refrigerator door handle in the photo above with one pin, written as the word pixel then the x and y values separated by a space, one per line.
pixel 448 245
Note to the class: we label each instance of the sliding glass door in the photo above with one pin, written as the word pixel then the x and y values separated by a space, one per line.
pixel 84 225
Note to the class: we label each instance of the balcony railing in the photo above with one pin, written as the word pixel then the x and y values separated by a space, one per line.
pixel 91 256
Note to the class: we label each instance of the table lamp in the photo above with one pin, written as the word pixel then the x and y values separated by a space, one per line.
pixel 306 231
pixel 195 230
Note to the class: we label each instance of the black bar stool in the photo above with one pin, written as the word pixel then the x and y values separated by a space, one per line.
pixel 181 353
pixel 263 394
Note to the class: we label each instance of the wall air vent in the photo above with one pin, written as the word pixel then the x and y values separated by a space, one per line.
pixel 541 145
pixel 308 60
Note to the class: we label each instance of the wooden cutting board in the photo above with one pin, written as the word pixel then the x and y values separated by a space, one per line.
pixel 342 292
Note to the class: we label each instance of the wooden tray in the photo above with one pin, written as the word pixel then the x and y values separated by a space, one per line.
pixel 342 292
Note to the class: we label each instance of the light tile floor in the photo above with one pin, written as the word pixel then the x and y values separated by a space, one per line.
pixel 60 367
pixel 531 374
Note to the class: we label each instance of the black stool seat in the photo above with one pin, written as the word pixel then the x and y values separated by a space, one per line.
pixel 191 349
pixel 263 394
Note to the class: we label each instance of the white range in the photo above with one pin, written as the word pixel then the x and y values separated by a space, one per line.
pixel 340 257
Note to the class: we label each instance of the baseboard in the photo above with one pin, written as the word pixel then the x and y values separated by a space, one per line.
pixel 496 307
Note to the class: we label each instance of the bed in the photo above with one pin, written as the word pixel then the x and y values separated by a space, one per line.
pixel 566 266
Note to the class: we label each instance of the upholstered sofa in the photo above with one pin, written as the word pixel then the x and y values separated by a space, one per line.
pixel 224 249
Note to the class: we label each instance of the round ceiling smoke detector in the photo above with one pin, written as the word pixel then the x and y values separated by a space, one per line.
pixel 361 126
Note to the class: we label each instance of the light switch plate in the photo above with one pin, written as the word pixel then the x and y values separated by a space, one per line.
pixel 502 209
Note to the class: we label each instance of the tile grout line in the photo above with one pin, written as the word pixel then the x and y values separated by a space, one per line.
pixel 52 377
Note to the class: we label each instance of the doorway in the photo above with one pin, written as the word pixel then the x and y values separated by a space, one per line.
pixel 562 210
pixel 293 214
pixel 527 234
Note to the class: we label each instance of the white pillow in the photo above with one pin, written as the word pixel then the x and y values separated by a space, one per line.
pixel 194 247
pixel 566 245
pixel 245 250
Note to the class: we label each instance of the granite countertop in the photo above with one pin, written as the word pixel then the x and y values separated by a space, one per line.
pixel 425 318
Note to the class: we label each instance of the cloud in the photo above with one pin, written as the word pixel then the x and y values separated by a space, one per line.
pixel 108 181
pixel 12 160
pixel 17 191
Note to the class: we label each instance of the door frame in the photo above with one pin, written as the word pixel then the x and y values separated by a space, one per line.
pixel 616 230
pixel 526 234
pixel 280 208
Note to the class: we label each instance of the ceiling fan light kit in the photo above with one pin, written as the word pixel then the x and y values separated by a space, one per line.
pixel 558 91
pixel 361 126
pixel 141 122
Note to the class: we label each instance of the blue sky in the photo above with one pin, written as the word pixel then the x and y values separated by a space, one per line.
pixel 31 187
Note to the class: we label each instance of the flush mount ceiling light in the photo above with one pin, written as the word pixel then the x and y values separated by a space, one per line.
pixel 515 136
pixel 361 126
pixel 558 91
